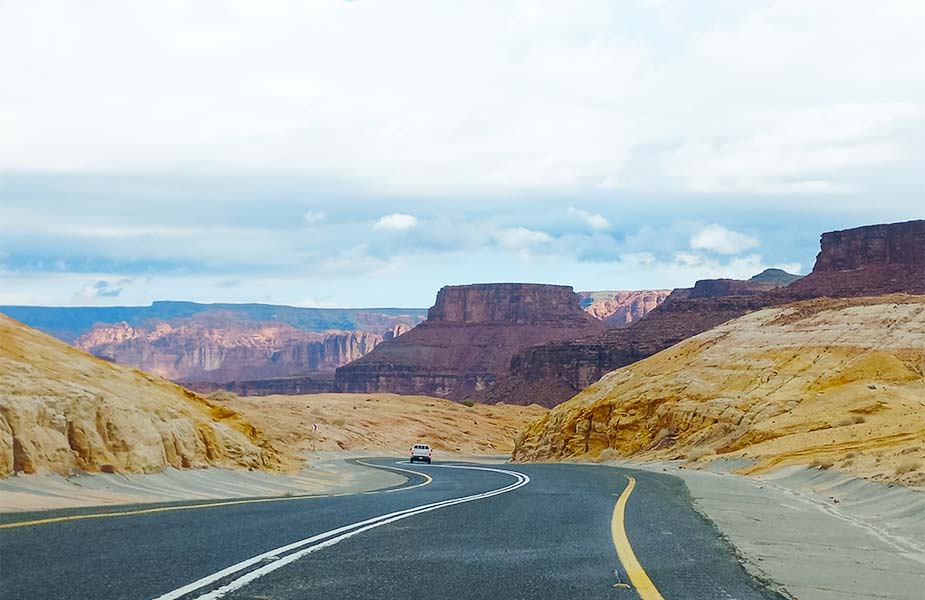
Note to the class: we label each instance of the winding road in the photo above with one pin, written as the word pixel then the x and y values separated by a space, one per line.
pixel 452 530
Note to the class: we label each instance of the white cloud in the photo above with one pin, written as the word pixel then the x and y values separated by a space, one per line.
pixel 520 239
pixel 100 290
pixel 314 217
pixel 594 221
pixel 518 95
pixel 397 222
pixel 717 238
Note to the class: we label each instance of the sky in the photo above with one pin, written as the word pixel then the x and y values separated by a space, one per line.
pixel 348 154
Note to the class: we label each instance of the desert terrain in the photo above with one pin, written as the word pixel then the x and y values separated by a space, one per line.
pixel 380 423
pixel 827 383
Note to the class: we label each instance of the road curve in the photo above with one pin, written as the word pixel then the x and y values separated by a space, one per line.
pixel 451 531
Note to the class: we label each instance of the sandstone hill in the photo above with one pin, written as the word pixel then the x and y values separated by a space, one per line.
pixel 816 382
pixel 878 259
pixel 62 409
pixel 468 339
pixel 621 308
pixel 385 422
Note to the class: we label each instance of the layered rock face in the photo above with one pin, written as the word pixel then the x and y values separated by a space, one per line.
pixel 621 308
pixel 229 351
pixel 720 288
pixel 551 373
pixel 833 381
pixel 877 259
pixel 307 383
pixel 887 259
pixel 62 409
pixel 468 339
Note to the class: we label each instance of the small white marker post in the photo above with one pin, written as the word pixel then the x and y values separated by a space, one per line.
pixel 314 435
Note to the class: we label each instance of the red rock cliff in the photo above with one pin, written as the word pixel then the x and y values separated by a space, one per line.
pixel 468 339
pixel 867 261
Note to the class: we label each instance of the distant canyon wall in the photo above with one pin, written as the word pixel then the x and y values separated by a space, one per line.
pixel 197 352
pixel 621 308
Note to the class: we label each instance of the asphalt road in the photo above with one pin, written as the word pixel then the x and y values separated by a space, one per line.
pixel 535 531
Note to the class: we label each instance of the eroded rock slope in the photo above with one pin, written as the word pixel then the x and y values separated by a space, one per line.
pixel 827 381
pixel 62 409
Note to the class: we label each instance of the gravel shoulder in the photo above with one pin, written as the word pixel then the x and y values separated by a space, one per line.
pixel 818 534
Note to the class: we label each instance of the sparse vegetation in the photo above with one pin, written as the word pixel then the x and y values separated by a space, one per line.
pixel 665 433
pixel 822 463
pixel 606 455
pixel 468 403
pixel 849 420
pixel 222 396
pixel 696 454
pixel 908 465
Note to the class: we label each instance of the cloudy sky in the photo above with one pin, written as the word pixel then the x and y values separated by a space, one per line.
pixel 330 153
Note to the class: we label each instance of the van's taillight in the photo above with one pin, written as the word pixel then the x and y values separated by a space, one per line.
pixel 430 453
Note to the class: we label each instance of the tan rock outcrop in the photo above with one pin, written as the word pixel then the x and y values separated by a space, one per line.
pixel 62 409
pixel 833 381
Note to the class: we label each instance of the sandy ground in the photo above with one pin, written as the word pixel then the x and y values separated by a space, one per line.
pixel 820 534
pixel 384 422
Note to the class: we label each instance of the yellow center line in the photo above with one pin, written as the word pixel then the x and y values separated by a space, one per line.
pixel 146 511
pixel 638 576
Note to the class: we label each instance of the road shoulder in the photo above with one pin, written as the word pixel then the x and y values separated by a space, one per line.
pixel 819 535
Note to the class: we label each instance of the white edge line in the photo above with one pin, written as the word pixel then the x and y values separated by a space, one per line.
pixel 341 534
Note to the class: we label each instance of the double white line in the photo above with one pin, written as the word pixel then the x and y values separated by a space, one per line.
pixel 284 555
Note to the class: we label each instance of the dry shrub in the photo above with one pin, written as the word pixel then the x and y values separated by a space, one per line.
pixel 606 455
pixel 849 420
pixel 665 433
pixel 222 396
pixel 852 454
pixel 822 463
pixel 698 453
pixel 908 466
